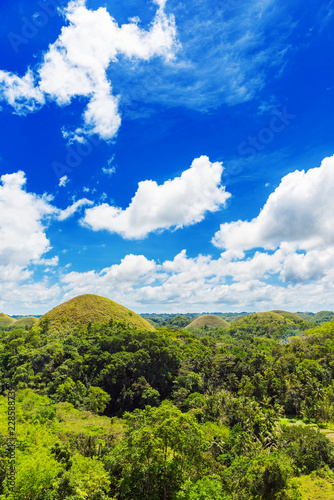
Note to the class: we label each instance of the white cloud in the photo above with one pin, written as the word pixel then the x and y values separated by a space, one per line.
pixel 311 266
pixel 22 232
pixel 115 281
pixel 299 212
pixel 25 298
pixel 53 262
pixel 109 170
pixel 21 93
pixel 76 65
pixel 23 242
pixel 203 283
pixel 179 202
pixel 63 181
pixel 69 211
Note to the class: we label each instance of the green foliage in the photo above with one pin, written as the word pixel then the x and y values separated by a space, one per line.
pixel 207 488
pixel 97 399
pixel 264 477
pixel 3 462
pixel 309 448
pixel 269 324
pixel 178 321
pixel 194 415
pixel 323 317
pixel 36 471
pixel 162 447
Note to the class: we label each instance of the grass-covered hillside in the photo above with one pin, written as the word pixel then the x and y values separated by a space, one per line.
pixel 25 322
pixel 89 308
pixel 270 324
pixel 7 321
pixel 207 321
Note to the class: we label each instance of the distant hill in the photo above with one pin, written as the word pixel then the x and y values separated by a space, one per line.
pixel 27 321
pixel 261 317
pixel 209 321
pixel 323 317
pixel 84 309
pixel 320 317
pixel 6 320
pixel 277 316
pixel 273 323
pixel 178 321
pixel 307 316
pixel 11 323
pixel 229 317
pixel 294 317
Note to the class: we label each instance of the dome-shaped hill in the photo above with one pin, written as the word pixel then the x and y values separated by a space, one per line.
pixel 26 321
pixel 273 317
pixel 6 320
pixel 323 317
pixel 288 315
pixel 209 321
pixel 90 308
pixel 269 324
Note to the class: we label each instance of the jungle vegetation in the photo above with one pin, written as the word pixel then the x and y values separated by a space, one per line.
pixel 108 410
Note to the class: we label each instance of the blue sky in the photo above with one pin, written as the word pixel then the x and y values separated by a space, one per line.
pixel 171 156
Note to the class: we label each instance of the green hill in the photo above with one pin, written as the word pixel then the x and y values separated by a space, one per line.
pixel 273 323
pixel 27 321
pixel 209 321
pixel 307 316
pixel 295 317
pixel 323 317
pixel 6 320
pixel 90 308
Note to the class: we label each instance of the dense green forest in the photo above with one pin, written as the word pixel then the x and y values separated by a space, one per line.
pixel 108 410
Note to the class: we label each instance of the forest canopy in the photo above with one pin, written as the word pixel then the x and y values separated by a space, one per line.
pixel 107 410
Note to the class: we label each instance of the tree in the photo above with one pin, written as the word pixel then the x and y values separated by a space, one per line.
pixel 161 448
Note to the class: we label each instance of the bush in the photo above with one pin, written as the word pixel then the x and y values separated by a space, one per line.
pixel 264 477
pixel 308 448
pixel 207 488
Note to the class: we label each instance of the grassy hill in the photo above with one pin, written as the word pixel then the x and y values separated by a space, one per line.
pixel 294 317
pixel 6 320
pixel 27 321
pixel 90 308
pixel 270 316
pixel 276 323
pixel 323 317
pixel 209 321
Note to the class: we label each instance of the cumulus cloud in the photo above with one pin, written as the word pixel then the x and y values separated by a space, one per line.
pixel 23 242
pixel 300 212
pixel 309 266
pixel 77 62
pixel 115 281
pixel 203 283
pixel 22 232
pixel 179 202
pixel 25 298
pixel 21 93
